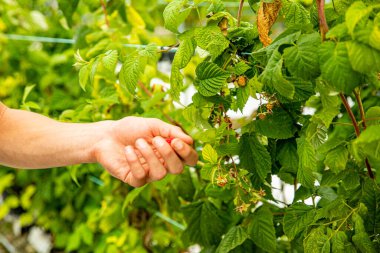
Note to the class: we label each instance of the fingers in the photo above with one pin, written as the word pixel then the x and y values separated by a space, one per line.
pixel 186 152
pixel 135 164
pixel 172 161
pixel 161 128
pixel 156 169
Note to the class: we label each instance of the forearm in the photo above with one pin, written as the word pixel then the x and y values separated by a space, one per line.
pixel 29 140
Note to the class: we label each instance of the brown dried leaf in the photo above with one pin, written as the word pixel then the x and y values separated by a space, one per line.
pixel 266 16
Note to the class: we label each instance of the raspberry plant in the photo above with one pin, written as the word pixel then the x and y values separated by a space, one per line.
pixel 320 58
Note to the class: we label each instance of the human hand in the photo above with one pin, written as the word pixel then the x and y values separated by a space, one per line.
pixel 135 150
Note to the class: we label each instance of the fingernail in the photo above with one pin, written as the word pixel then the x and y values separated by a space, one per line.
pixel 178 145
pixel 159 142
pixel 128 149
pixel 141 143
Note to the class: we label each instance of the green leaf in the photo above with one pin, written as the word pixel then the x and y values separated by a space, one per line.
pixel 84 75
pixel 355 13
pixel 317 241
pixel 233 238
pixel 175 13
pixel 336 68
pixel 297 218
pixel 368 144
pixel 131 71
pixel 373 116
pixel 205 223
pixel 261 229
pixel 240 68
pixel 277 125
pixel 307 163
pixel 302 59
pixel 131 196
pixel 211 78
pixel 209 154
pixel 330 105
pixel 93 67
pixel 109 60
pixel 371 199
pixel 27 91
pixel 184 53
pixel 295 13
pixel 211 39
pixel 363 58
pixel 272 76
pixel 254 156
pixel 287 154
pixel 176 83
pixel 228 149
pixel 370 34
pixel 242 96
pixel 68 9
pixel 340 243
pixel 337 159
pixel 363 243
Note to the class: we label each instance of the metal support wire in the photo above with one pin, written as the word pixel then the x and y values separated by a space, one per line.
pixel 71 41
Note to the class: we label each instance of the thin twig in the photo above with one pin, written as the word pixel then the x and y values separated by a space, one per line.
pixel 351 114
pixel 361 109
pixel 323 27
pixel 105 12
pixel 239 12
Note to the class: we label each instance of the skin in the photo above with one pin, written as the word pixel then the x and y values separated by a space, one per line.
pixel 132 149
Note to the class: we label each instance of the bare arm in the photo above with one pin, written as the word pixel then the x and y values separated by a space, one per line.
pixel 30 140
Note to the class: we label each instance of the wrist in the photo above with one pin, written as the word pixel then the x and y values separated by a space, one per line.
pixel 102 134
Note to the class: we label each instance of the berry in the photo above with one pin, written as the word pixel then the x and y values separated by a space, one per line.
pixel 169 140
pixel 241 81
pixel 221 180
pixel 262 116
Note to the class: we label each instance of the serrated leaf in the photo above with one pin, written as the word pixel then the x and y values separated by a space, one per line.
pixel 373 116
pixel 184 53
pixel 371 199
pixel 254 156
pixel 209 154
pixel 93 68
pixel 370 34
pixel 242 96
pixel 307 162
pixel 297 218
pixel 363 58
pixel 278 125
pixel 337 159
pixel 295 13
pixel 355 13
pixel 175 14
pixel 149 51
pixel 240 68
pixel 302 59
pixel 131 71
pixel 211 78
pixel 363 243
pixel 109 60
pixel 207 171
pixel 211 39
pixel 317 241
pixel 228 149
pixel 272 76
pixel 233 238
pixel 287 155
pixel 336 68
pixel 316 134
pixel 261 229
pixel 340 243
pixel 205 223
pixel 176 83
pixel 368 144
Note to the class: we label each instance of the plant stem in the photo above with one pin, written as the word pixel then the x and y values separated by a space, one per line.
pixel 357 131
pixel 105 12
pixel 361 109
pixel 323 27
pixel 239 12
pixel 350 113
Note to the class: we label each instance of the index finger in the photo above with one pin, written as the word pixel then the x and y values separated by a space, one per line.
pixel 165 130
